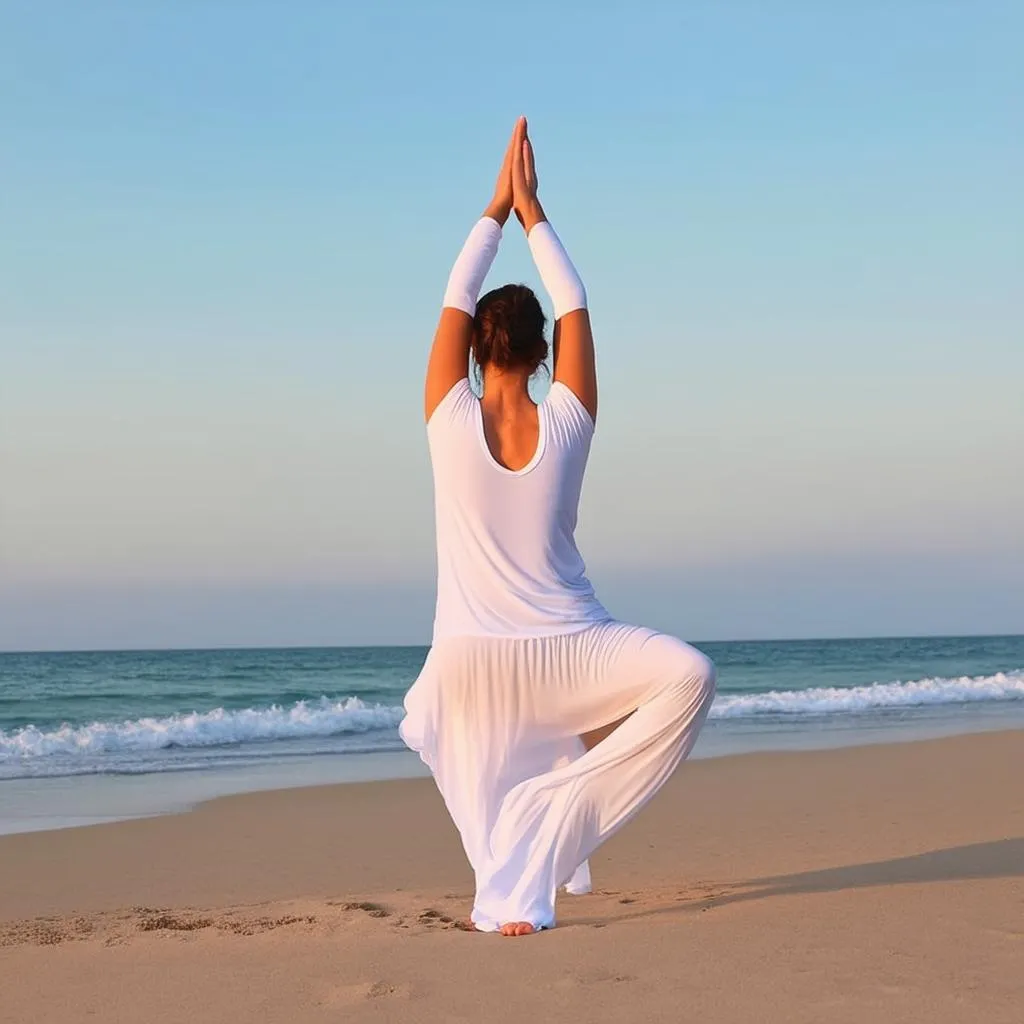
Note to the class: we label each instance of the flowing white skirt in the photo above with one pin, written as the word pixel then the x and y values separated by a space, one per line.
pixel 498 722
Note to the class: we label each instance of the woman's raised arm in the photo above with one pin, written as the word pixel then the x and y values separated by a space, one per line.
pixel 574 360
pixel 449 354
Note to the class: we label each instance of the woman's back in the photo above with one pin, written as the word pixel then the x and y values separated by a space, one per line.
pixel 508 564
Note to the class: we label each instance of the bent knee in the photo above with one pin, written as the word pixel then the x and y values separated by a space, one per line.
pixel 689 672
pixel 702 675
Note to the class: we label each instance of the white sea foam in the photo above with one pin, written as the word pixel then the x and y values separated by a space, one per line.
pixel 338 718
pixel 212 728
pixel 830 700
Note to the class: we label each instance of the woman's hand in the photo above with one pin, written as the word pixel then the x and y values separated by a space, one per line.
pixel 524 182
pixel 501 205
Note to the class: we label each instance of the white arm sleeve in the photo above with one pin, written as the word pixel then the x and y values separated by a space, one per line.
pixel 467 276
pixel 556 270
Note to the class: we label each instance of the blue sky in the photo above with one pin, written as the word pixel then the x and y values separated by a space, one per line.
pixel 227 227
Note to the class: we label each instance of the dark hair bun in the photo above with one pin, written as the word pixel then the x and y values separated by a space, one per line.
pixel 508 329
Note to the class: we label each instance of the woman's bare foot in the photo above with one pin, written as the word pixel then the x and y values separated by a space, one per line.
pixel 517 928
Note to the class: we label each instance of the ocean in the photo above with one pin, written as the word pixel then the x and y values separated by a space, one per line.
pixel 96 736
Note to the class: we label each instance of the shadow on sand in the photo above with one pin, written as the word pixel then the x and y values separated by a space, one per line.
pixel 1002 858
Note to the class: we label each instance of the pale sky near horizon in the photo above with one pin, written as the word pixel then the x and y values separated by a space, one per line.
pixel 227 228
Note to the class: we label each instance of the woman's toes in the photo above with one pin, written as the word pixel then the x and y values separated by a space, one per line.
pixel 517 928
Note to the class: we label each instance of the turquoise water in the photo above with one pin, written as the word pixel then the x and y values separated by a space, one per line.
pixel 147 712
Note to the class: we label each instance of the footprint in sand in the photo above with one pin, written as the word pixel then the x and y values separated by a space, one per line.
pixel 434 918
pixel 371 909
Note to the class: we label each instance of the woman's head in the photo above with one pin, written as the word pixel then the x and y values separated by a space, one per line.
pixel 508 330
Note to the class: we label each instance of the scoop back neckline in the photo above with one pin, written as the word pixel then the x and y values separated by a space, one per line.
pixel 542 437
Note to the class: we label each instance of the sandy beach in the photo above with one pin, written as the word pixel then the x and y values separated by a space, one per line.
pixel 879 883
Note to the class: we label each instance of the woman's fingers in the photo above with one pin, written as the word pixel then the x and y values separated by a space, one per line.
pixel 529 167
pixel 524 175
pixel 524 171
pixel 518 182
pixel 503 190
pixel 515 141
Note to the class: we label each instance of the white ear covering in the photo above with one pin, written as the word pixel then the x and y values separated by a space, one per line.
pixel 470 269
pixel 560 278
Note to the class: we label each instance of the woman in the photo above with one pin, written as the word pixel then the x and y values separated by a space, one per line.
pixel 546 723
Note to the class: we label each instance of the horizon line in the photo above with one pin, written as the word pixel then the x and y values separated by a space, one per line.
pixel 364 647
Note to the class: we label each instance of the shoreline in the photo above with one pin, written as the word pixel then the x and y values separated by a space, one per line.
pixel 78 801
pixel 881 882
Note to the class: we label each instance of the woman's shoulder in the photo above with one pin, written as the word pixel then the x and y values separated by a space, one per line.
pixel 565 404
pixel 456 405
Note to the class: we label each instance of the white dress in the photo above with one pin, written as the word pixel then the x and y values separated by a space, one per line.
pixel 525 660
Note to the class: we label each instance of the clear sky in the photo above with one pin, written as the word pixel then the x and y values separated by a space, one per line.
pixel 225 229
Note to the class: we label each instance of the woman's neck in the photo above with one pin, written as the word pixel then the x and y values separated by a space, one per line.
pixel 505 390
